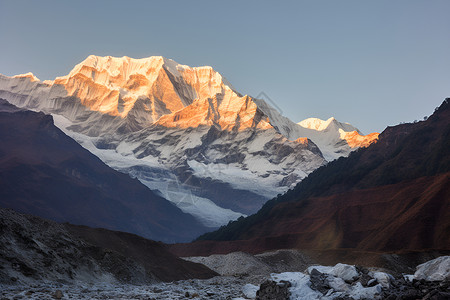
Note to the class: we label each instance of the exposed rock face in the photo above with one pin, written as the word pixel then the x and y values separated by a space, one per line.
pixel 34 249
pixel 319 281
pixel 183 131
pixel 271 290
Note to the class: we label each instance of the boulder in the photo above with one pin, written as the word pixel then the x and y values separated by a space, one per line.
pixel 319 281
pixel 271 290
pixel 338 284
pixel 346 272
pixel 383 278
pixel 434 270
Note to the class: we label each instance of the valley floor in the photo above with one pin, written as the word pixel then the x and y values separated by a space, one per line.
pixel 242 275
pixel 220 287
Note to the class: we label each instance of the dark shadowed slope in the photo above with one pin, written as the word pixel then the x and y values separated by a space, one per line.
pixel 154 256
pixel 410 215
pixel 46 173
pixel 393 195
pixel 32 248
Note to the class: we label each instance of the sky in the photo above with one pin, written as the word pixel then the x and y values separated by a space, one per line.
pixel 368 63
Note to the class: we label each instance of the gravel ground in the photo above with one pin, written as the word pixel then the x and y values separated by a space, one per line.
pixel 236 263
pixel 240 263
pixel 221 287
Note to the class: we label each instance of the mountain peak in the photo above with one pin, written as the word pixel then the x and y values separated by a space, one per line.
pixel 27 75
pixel 146 88
pixel 321 125
pixel 129 66
pixel 332 132
pixel 114 66
pixel 316 123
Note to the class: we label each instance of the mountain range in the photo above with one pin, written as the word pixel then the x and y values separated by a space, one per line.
pixel 184 132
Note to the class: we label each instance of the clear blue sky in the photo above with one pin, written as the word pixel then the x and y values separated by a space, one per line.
pixel 369 63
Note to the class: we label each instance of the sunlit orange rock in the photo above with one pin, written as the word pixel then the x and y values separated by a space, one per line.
pixel 302 140
pixel 356 140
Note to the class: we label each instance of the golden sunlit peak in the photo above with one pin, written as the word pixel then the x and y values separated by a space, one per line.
pixel 113 85
pixel 356 140
pixel 27 75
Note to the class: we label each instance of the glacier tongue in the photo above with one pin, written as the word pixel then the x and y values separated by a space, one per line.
pixel 178 163
pixel 157 177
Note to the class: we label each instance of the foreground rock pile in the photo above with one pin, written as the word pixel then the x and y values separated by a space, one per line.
pixel 431 281
pixel 345 282
pixel 417 289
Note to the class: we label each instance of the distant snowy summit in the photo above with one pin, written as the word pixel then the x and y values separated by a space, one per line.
pixel 338 132
pixel 185 131
pixel 321 125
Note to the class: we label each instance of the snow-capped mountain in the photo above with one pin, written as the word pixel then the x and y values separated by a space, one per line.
pixel 334 138
pixel 184 131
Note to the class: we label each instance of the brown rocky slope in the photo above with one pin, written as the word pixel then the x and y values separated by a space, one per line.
pixel 391 196
pixel 33 249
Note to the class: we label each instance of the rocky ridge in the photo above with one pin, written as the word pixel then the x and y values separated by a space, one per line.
pixel 35 250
